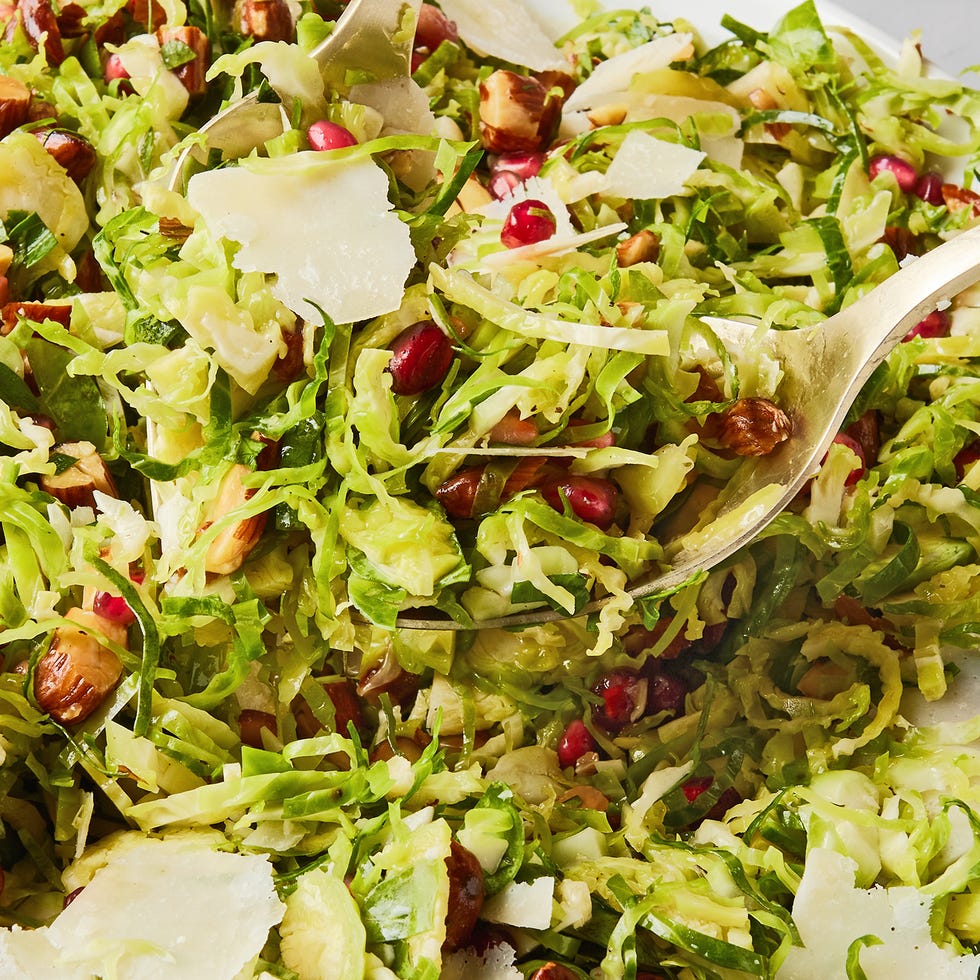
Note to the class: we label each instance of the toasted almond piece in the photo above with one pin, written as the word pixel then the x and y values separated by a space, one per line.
pixel 77 673
pixel 76 485
pixel 15 100
pixel 191 73
pixel 71 151
pixel 265 20
pixel 644 246
pixel 40 25
pixel 232 545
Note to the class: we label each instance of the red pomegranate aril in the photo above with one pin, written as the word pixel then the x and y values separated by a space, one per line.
pixel 936 324
pixel 591 498
pixel 693 788
pixel 665 691
pixel 624 699
pixel 114 69
pixel 965 458
pixel 575 741
pixel 113 607
pixel 903 171
pixel 929 188
pixel 522 165
pixel 433 28
pixel 503 183
pixel 421 357
pixel 325 135
pixel 527 223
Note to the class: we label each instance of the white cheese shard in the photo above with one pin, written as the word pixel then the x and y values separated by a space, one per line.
pixel 616 74
pixel 172 909
pixel 495 963
pixel 504 29
pixel 523 904
pixel 831 914
pixel 646 168
pixel 325 229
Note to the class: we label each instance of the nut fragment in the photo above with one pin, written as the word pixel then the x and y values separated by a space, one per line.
pixel 466 890
pixel 71 151
pixel 13 313
pixel 754 427
pixel 644 246
pixel 233 543
pixel 76 485
pixel 517 113
pixel 15 99
pixel 191 73
pixel 265 20
pixel 41 28
pixel 77 673
pixel 586 797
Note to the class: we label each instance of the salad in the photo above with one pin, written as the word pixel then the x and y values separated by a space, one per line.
pixel 430 348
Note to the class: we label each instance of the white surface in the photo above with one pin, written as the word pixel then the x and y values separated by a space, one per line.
pixel 950 28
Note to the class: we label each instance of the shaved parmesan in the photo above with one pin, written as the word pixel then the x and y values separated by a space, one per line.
pixel 616 74
pixel 831 914
pixel 646 168
pixel 324 229
pixel 504 29
pixel 173 909
pixel 494 963
pixel 523 904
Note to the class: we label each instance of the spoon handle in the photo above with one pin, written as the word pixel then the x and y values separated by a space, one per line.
pixel 880 319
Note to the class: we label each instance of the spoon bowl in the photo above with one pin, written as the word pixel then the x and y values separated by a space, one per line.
pixel 824 368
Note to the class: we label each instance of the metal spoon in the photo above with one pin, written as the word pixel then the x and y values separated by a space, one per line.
pixel 825 367
pixel 372 37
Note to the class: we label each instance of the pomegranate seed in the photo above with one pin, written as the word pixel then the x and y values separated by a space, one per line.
pixel 522 165
pixel 902 170
pixel 575 741
pixel 591 498
pixel 433 28
pixel 843 439
pixel 503 183
pixel 665 690
pixel 326 135
pixel 624 698
pixel 113 607
pixel 965 458
pixel 421 357
pixel 527 222
pixel 929 187
pixel 114 69
pixel 936 324
pixel 250 725
pixel 693 788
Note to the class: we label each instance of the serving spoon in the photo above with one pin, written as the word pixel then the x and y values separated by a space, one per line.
pixel 373 38
pixel 824 368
